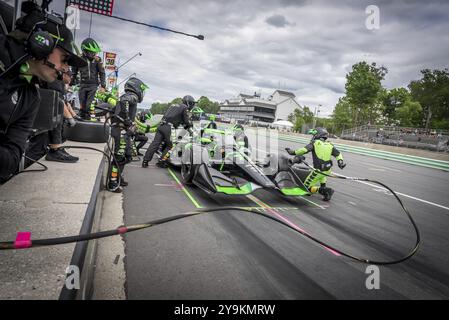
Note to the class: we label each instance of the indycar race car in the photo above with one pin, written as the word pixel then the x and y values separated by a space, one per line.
pixel 215 162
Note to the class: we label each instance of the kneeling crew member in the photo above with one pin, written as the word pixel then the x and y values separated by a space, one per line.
pixel 322 152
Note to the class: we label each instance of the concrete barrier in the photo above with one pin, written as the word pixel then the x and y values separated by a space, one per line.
pixel 48 204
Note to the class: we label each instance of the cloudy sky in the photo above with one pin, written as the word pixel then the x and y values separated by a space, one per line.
pixel 303 46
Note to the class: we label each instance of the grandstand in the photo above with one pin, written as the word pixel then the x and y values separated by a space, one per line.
pixel 417 138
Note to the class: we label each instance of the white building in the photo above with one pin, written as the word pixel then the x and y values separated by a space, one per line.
pixel 285 104
pixel 253 108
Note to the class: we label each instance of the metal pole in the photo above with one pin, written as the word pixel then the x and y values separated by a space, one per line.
pixel 90 25
pixel 130 76
pixel 199 37
pixel 137 54
pixel 65 10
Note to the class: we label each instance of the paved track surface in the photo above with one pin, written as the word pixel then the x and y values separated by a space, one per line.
pixel 234 255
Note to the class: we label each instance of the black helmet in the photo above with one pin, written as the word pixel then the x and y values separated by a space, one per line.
pixel 320 133
pixel 237 128
pixel 90 45
pixel 136 86
pixel 189 102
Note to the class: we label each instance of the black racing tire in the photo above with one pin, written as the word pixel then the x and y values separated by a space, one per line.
pixel 187 172
pixel 91 132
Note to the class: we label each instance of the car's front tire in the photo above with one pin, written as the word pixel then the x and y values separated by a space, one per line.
pixel 188 169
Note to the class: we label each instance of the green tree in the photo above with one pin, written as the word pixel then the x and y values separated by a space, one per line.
pixel 399 108
pixel 175 101
pixel 389 100
pixel 159 108
pixel 301 116
pixel 208 106
pixel 297 125
pixel 432 92
pixel 297 118
pixel 409 113
pixel 363 88
pixel 307 115
pixel 327 123
pixel 342 116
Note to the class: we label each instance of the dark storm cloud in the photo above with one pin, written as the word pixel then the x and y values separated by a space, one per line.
pixel 278 21
pixel 293 2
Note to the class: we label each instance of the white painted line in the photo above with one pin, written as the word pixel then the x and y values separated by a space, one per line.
pixel 377 187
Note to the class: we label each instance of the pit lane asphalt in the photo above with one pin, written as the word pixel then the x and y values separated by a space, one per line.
pixel 233 255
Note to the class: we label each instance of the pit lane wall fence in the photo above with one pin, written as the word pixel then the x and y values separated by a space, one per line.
pixel 58 202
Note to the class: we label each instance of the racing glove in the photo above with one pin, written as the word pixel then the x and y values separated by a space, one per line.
pixel 299 159
pixel 341 164
pixel 296 159
pixel 290 151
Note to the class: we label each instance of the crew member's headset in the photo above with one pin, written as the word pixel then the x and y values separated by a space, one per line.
pixel 39 44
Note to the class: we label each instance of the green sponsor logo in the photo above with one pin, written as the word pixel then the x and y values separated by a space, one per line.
pixel 42 40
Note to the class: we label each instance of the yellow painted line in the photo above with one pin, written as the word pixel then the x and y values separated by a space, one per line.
pixel 196 204
pixel 257 201
pixel 315 204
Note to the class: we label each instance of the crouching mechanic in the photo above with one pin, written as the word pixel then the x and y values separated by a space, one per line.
pixel 122 129
pixel 141 130
pixel 173 117
pixel 322 152
pixel 40 48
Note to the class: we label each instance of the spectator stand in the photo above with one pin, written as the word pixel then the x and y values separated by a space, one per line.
pixel 417 138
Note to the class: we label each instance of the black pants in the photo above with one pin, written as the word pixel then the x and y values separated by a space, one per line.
pixel 55 135
pixel 142 139
pixel 163 134
pixel 36 148
pixel 86 95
